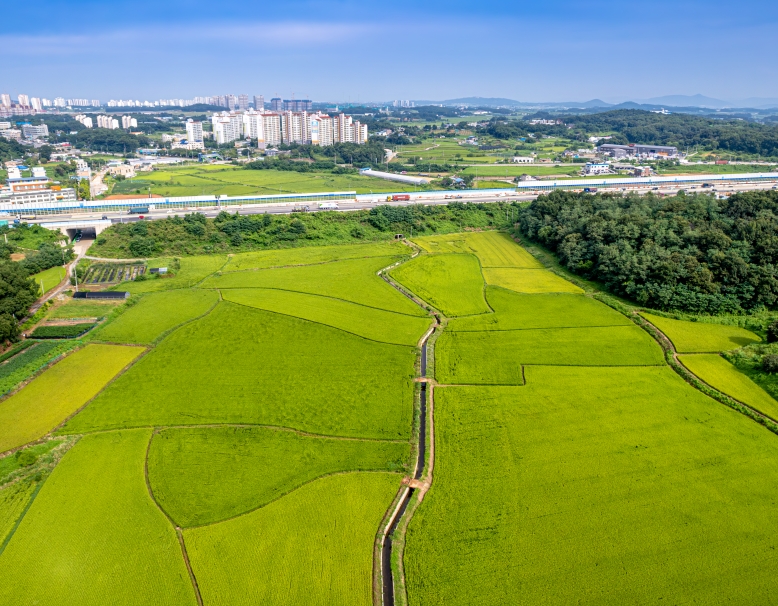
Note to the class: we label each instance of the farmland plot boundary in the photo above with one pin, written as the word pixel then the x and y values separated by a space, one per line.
pixel 179 536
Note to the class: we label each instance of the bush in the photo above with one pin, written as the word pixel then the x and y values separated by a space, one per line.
pixel 143 247
pixel 770 363
pixel 61 332
pixel 772 332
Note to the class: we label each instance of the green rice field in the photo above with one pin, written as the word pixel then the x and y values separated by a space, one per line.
pixel 496 356
pixel 353 280
pixel 529 281
pixel 313 255
pixel 248 366
pixel 49 279
pixel 701 337
pixel 720 374
pixel 156 314
pixel 205 475
pixel 367 322
pixel 237 431
pixel 314 546
pixel 211 179
pixel 94 534
pixel 621 481
pixel 451 283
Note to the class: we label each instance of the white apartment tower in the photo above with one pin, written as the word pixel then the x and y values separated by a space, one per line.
pixel 321 130
pixel 227 127
pixel 129 122
pixel 5 100
pixel 194 131
pixel 24 100
pixel 263 127
pixel 294 127
pixel 36 104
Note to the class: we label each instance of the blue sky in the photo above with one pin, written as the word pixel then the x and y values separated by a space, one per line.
pixel 365 51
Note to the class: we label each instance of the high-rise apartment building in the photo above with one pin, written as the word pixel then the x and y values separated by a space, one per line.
pixel 295 127
pixel 107 122
pixel 276 104
pixel 321 130
pixel 262 127
pixel 243 102
pixel 36 104
pixel 129 122
pixel 346 130
pixel 86 121
pixel 5 100
pixel 46 102
pixel 59 102
pixel 24 100
pixel 227 127
pixel 259 102
pixel 95 102
pixel 194 131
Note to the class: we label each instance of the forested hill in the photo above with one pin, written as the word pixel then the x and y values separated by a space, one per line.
pixel 681 130
pixel 692 253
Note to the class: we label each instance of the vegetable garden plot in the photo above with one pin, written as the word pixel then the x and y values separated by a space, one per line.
pixel 530 281
pixel 242 365
pixel 110 273
pixel 495 357
pixel 701 337
pixel 313 546
pixel 516 311
pixel 93 535
pixel 451 283
pixel 157 313
pixel 352 280
pixel 59 391
pixel 204 475
pixel 192 271
pixel 720 374
pixel 313 254
pixel 367 322
pixel 624 482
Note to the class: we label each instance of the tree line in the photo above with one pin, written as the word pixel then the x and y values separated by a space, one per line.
pixel 689 252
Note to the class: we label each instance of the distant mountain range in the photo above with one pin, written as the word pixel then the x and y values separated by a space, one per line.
pixel 669 101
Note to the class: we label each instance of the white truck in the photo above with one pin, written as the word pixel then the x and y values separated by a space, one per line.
pixel 328 206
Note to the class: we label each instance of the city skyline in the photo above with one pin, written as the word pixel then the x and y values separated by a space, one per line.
pixel 437 51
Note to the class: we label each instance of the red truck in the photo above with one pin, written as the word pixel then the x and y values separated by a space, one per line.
pixel 398 198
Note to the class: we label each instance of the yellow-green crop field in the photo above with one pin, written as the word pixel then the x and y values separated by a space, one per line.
pixel 210 179
pixel 718 373
pixel 253 454
pixel 60 391
pixel 49 278
pixel 450 282
pixel 701 337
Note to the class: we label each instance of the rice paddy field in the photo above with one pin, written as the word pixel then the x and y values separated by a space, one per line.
pixel 213 179
pixel 49 278
pixel 701 337
pixel 251 453
pixel 451 283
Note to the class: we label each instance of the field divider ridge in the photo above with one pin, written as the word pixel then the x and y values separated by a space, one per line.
pixel 176 528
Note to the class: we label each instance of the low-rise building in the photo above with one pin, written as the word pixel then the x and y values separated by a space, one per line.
pixel 636 150
pixel 522 160
pixel 122 170
pixel 34 131
pixel 596 168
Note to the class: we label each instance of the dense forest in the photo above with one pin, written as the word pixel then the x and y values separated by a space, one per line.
pixel 681 130
pixel 691 253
